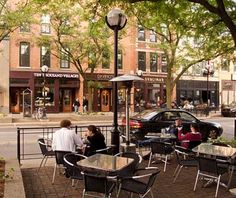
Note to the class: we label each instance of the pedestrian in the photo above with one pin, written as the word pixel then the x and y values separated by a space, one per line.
pixel 85 104
pixel 66 139
pixel 96 140
pixel 76 105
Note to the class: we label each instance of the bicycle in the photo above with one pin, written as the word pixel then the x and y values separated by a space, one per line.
pixel 40 113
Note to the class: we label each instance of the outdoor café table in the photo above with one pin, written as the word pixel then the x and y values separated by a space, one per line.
pixel 102 163
pixel 215 150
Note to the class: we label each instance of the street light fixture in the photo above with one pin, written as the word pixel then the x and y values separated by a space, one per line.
pixel 116 21
pixel 44 70
pixel 208 71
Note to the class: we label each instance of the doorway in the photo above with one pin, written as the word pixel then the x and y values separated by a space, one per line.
pixel 66 100
pixel 105 100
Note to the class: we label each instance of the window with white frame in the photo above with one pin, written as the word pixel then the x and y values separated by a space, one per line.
pixel 45 24
pixel 24 54
pixel 153 62
pixel 120 59
pixel 142 61
pixel 163 63
pixel 45 56
pixel 65 59
pixel 153 36
pixel 141 33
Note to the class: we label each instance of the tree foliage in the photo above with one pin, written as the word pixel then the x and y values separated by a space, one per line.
pixel 12 16
pixel 186 33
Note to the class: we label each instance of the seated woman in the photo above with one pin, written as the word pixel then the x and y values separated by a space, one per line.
pixel 193 136
pixel 96 140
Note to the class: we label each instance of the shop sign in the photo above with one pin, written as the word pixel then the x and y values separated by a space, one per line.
pixel 57 75
pixel 154 79
pixel 100 77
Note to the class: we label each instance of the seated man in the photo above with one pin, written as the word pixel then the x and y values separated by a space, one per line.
pixel 65 139
pixel 174 128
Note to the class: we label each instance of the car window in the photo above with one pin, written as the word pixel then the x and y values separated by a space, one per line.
pixel 167 116
pixel 187 117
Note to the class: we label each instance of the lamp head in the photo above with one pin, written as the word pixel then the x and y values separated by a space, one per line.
pixel 44 68
pixel 116 19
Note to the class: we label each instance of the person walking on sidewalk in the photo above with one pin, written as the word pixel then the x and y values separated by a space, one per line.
pixel 85 104
pixel 76 105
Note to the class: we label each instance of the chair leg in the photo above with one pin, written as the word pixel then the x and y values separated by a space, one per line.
pixel 54 173
pixel 45 161
pixel 165 163
pixel 195 185
pixel 83 193
pixel 177 173
pixel 176 169
pixel 150 159
pixel 67 185
pixel 218 184
pixel 151 193
pixel 41 163
pixel 230 176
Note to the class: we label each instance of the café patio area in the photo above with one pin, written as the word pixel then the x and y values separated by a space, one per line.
pixel 39 184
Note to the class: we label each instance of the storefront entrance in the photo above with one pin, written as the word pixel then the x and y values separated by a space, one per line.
pixel 105 100
pixel 66 100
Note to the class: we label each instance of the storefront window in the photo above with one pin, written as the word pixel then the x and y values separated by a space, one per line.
pixel 49 97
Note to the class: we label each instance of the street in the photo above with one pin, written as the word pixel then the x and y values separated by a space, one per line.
pixel 8 135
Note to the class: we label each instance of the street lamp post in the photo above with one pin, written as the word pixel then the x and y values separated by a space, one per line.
pixel 116 21
pixel 208 70
pixel 44 70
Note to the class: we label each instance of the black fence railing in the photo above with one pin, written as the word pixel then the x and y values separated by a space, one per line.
pixel 27 145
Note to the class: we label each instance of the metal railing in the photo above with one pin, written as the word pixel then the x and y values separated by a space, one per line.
pixel 27 145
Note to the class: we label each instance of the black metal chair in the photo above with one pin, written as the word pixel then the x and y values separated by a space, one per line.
pixel 184 159
pixel 160 148
pixel 95 183
pixel 141 183
pixel 208 168
pixel 72 171
pixel 59 162
pixel 45 150
pixel 130 170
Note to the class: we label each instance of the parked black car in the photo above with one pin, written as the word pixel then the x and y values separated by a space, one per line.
pixel 228 110
pixel 152 121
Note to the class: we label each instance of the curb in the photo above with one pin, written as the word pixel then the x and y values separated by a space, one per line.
pixel 14 188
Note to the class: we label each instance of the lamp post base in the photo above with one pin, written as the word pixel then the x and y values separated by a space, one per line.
pixel 115 140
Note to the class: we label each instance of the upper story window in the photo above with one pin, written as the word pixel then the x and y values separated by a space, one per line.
pixel 153 36
pixel 141 33
pixel 142 61
pixel 105 59
pixel 45 24
pixel 153 62
pixel 91 59
pixel 225 64
pixel 120 59
pixel 163 63
pixel 45 56
pixel 25 27
pixel 24 54
pixel 65 59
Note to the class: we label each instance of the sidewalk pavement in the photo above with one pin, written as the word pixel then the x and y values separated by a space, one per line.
pixel 39 184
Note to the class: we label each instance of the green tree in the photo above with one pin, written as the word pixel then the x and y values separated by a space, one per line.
pixel 181 36
pixel 13 16
pixel 224 12
pixel 78 32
